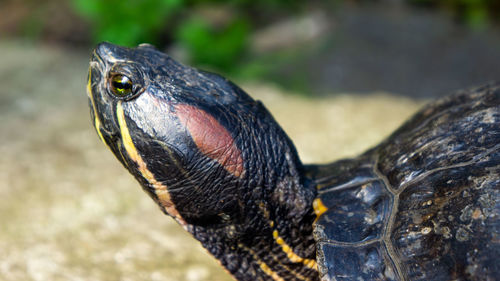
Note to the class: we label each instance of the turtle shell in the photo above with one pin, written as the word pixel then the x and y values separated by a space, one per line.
pixel 423 205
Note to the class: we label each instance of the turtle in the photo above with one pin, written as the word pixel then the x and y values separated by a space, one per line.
pixel 421 205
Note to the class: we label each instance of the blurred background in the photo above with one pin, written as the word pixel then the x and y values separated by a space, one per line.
pixel 339 75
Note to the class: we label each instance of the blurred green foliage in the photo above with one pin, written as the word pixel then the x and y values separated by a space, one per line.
pixel 217 43
pixel 476 13
pixel 209 46
pixel 208 41
pixel 127 22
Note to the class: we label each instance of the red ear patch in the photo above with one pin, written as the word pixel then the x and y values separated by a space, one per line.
pixel 211 138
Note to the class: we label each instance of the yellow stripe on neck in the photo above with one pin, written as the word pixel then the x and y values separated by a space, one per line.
pixel 160 189
pixel 310 263
pixel 97 122
pixel 263 266
pixel 292 256
pixel 319 208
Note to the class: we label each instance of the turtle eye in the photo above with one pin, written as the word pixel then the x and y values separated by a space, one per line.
pixel 121 85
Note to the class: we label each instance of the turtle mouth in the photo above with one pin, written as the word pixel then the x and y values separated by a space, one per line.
pixel 107 137
pixel 97 102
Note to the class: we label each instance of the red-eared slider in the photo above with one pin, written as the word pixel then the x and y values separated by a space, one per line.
pixel 423 205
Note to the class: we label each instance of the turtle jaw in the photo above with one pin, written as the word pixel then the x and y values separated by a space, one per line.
pixel 102 105
pixel 94 75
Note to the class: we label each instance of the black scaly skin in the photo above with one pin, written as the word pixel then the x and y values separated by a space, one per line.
pixel 423 205
pixel 230 216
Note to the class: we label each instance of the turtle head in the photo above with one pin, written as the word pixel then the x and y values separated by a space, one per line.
pixel 195 141
pixel 206 152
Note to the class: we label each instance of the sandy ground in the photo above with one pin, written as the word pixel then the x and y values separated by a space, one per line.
pixel 69 211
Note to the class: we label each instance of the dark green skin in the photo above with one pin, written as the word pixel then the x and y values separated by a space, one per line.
pixel 423 205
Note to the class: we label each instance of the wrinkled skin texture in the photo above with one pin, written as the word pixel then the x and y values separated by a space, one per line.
pixel 422 205
pixel 211 157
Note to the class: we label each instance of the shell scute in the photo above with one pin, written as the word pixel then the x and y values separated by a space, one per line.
pixel 464 216
pixel 355 214
pixel 367 262
pixel 454 130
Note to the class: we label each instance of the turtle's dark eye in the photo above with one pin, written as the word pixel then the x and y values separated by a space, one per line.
pixel 121 85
